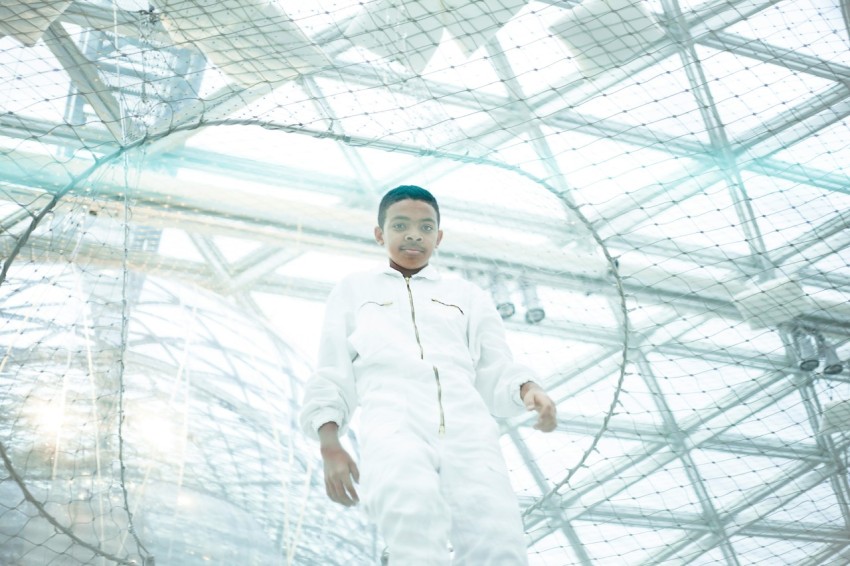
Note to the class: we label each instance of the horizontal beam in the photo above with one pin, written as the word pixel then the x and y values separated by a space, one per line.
pixel 650 518
pixel 163 201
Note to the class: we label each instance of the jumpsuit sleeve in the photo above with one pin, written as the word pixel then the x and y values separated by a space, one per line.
pixel 498 377
pixel 330 395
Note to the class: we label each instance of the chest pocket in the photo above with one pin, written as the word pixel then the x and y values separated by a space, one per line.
pixel 373 322
pixel 446 317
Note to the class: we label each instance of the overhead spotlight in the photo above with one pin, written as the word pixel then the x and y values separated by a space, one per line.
pixel 831 363
pixel 806 347
pixel 534 312
pixel 502 297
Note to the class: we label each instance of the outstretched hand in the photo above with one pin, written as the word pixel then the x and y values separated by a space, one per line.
pixel 340 469
pixel 535 399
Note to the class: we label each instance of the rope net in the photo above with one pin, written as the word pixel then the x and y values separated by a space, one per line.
pixel 654 192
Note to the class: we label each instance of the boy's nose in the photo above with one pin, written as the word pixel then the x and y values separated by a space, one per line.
pixel 413 237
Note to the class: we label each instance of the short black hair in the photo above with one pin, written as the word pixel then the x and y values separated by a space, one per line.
pixel 404 192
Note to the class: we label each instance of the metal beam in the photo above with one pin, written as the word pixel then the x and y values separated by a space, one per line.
pixel 88 15
pixel 87 81
pixel 540 480
pixel 759 50
pixel 192 210
pixel 664 520
pixel 609 478
pixel 710 17
pixel 727 160
pixel 829 237
pixel 762 503
pixel 796 124
pixel 517 102
pixel 366 180
pixel 230 99
pixel 257 266
pixel 679 442
pixel 74 137
pixel 729 442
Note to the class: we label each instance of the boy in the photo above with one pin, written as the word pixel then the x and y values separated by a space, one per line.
pixel 426 359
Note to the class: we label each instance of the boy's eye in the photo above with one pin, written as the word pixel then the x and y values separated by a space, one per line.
pixel 398 226
pixel 427 228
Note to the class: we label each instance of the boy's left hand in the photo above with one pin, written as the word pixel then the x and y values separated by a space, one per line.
pixel 535 399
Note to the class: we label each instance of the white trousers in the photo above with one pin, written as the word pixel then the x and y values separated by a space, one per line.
pixel 425 490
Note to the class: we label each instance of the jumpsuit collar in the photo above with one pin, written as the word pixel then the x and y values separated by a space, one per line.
pixel 427 272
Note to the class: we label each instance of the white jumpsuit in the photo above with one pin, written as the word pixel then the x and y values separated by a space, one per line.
pixel 426 360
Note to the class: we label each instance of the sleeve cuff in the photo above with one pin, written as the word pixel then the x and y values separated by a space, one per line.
pixel 325 416
pixel 516 387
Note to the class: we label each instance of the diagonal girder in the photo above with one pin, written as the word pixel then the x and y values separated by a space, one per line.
pixel 790 485
pixel 87 81
pixel 608 478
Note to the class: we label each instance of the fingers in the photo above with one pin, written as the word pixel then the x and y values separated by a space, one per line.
pixel 330 490
pixel 339 469
pixel 339 486
pixel 547 419
pixel 350 494
pixel 341 491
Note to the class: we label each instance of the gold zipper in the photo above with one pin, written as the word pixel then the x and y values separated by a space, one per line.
pixel 413 316
pixel 442 429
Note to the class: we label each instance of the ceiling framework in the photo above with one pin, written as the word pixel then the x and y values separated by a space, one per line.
pixel 169 236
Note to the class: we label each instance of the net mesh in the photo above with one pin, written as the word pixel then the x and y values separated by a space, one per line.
pixel 655 194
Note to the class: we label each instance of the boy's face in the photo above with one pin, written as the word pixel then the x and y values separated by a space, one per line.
pixel 410 233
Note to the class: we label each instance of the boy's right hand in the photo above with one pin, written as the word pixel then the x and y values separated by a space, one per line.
pixel 340 468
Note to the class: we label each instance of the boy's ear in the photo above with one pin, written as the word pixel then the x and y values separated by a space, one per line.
pixel 379 235
pixel 439 237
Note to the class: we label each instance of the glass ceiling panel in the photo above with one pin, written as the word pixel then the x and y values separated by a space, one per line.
pixel 602 170
pixel 817 506
pixel 540 61
pixel 790 212
pixel 203 316
pixel 786 421
pixel 668 488
pixel 729 480
pixel 757 550
pixel 707 219
pixel 646 99
pixel 551 551
pixel 35 84
pixel 622 545
pixel 804 26
pixel 836 262
pixel 747 92
pixel 723 334
pixel 636 406
pixel 828 149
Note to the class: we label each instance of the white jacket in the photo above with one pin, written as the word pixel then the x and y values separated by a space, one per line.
pixel 426 348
